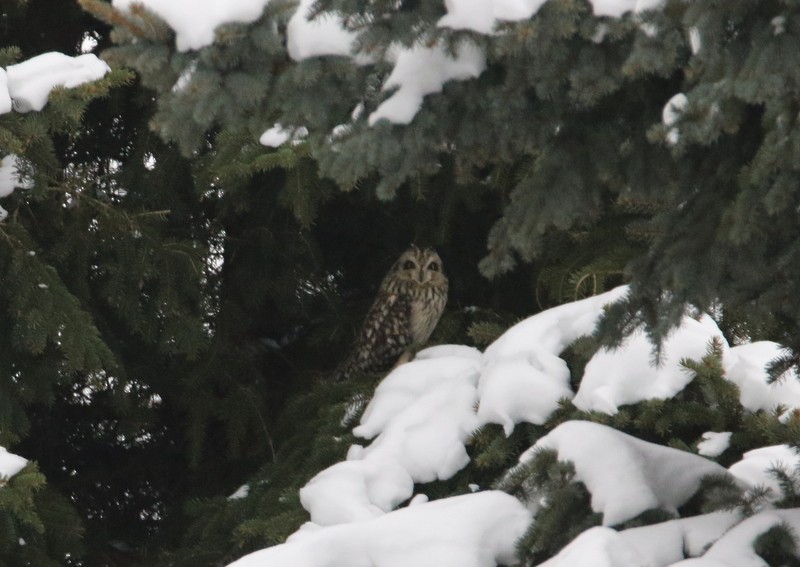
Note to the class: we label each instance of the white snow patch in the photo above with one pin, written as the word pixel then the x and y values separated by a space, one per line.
pixel 670 114
pixel 10 464
pixel 613 378
pixel 420 418
pixel 745 366
pixel 695 41
pixel 625 475
pixel 324 35
pixel 240 493
pixel 714 444
pixel 194 21
pixel 30 82
pixel 10 178
pixel 755 466
pixel 420 71
pixel 523 378
pixel 735 548
pixel 778 25
pixel 657 545
pixel 473 530
pixel 279 135
pixel 5 97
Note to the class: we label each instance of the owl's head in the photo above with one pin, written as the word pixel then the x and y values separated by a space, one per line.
pixel 421 266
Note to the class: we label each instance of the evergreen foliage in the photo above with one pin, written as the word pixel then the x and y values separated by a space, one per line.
pixel 175 293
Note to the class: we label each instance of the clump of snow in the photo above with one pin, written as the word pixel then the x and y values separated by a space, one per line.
pixel 778 25
pixel 279 135
pixel 10 464
pixel 473 530
pixel 10 178
pixel 522 377
pixel 755 466
pixel 324 35
pixel 420 418
pixel 695 41
pixel 745 366
pixel 618 8
pixel 240 493
pixel 424 70
pixel 735 548
pixel 625 475
pixel 625 375
pixel 30 82
pixel 672 111
pixel 194 21
pixel 714 444
pixel 5 97
pixel 657 545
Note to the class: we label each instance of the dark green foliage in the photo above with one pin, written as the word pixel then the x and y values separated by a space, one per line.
pixel 778 546
pixel 562 503
pixel 174 293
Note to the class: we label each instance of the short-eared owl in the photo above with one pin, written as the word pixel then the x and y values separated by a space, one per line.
pixel 409 304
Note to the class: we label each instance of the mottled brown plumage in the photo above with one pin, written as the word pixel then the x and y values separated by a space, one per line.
pixel 405 312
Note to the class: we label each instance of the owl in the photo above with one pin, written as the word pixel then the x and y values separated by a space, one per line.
pixel 409 304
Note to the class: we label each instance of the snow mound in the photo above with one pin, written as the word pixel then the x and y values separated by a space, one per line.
pixel 745 366
pixel 420 71
pixel 474 530
pixel 625 475
pixel 714 443
pixel 420 418
pixel 626 376
pixel 657 545
pixel 735 548
pixel 10 464
pixel 324 35
pixel 522 376
pixel 194 21
pixel 29 83
pixel 755 465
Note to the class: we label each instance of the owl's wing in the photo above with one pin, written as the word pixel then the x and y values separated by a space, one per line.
pixel 384 336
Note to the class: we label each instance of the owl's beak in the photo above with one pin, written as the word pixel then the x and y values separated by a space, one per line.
pixel 421 277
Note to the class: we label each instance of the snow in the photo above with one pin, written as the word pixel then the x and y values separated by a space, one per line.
pixel 30 82
pixel 278 135
pixel 424 70
pixel 672 111
pixel 9 176
pixel 755 466
pixel 10 180
pixel 735 548
pixel 714 444
pixel 194 21
pixel 657 545
pixel 745 366
pixel 10 464
pixel 418 424
pixel 625 475
pixel 522 376
pixel 5 96
pixel 418 71
pixel 240 492
pixel 324 35
pixel 419 420
pixel 473 530
pixel 625 376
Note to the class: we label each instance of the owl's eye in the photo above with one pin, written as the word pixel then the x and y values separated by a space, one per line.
pixel 433 266
pixel 409 265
